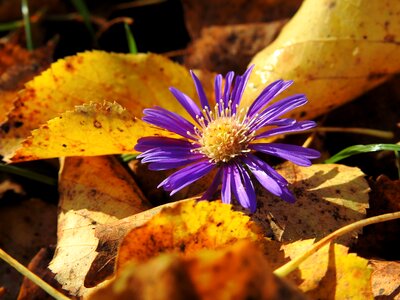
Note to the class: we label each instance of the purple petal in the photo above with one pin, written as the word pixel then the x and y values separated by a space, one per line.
pixel 299 126
pixel 239 87
pixel 150 142
pixel 227 90
pixel 158 166
pixel 269 93
pixel 296 154
pixel 282 122
pixel 168 120
pixel 200 91
pixel 217 87
pixel 243 188
pixel 187 103
pixel 186 176
pixel 226 196
pixel 279 108
pixel 213 187
pixel 279 188
pixel 167 154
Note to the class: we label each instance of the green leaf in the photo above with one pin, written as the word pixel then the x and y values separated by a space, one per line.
pixel 81 7
pixel 27 174
pixel 27 24
pixel 357 149
pixel 130 39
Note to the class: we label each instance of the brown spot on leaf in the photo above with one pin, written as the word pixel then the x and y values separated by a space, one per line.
pixel 97 124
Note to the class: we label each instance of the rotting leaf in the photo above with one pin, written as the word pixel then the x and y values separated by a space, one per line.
pixel 238 271
pixel 86 200
pixel 90 130
pixel 328 197
pixel 333 50
pixel 17 66
pixel 185 228
pixel 331 271
pixel 134 81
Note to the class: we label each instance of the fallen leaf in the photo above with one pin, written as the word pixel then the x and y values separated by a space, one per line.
pixel 331 271
pixel 385 279
pixel 90 130
pixel 25 227
pixel 333 50
pixel 186 228
pixel 202 14
pixel 86 200
pixel 238 271
pixel 17 66
pixel 329 196
pixel 230 48
pixel 134 81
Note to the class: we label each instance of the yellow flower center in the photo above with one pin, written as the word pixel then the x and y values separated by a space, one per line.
pixel 225 136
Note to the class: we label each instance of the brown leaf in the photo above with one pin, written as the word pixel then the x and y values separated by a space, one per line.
pixel 329 196
pixel 86 200
pixel 230 48
pixel 201 14
pixel 385 279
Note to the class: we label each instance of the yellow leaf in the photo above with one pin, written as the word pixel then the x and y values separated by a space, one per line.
pixel 90 130
pixel 87 200
pixel 186 228
pixel 332 271
pixel 333 50
pixel 134 81
pixel 385 279
pixel 329 196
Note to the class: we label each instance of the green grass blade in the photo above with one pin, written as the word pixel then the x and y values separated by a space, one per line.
pixel 82 9
pixel 27 24
pixel 27 174
pixel 11 25
pixel 357 149
pixel 130 39
pixel 128 157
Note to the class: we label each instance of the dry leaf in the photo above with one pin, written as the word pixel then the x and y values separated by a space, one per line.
pixel 86 200
pixel 329 196
pixel 386 279
pixel 331 271
pixel 333 50
pixel 17 66
pixel 230 48
pixel 202 14
pixel 186 228
pixel 25 227
pixel 134 81
pixel 238 271
pixel 90 130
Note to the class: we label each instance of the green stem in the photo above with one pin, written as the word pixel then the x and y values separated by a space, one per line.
pixel 130 39
pixel 294 263
pixel 27 24
pixel 32 276
pixel 28 174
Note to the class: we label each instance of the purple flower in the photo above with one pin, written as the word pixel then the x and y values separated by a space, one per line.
pixel 226 138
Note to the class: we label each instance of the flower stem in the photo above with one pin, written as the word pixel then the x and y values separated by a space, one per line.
pixel 294 263
pixel 32 276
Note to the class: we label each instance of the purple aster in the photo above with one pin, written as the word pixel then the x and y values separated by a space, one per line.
pixel 226 138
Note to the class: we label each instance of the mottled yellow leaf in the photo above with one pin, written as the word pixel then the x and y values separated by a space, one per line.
pixel 186 228
pixel 331 271
pixel 91 129
pixel 134 81
pixel 386 279
pixel 329 196
pixel 93 191
pixel 334 50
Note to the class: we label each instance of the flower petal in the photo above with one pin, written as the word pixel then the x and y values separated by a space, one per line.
pixel 150 142
pixel 168 120
pixel 239 87
pixel 158 166
pixel 226 195
pixel 296 154
pixel 213 186
pixel 190 106
pixel 217 88
pixel 186 176
pixel 269 93
pixel 200 91
pixel 298 126
pixel 243 188
pixel 279 108
pixel 227 91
